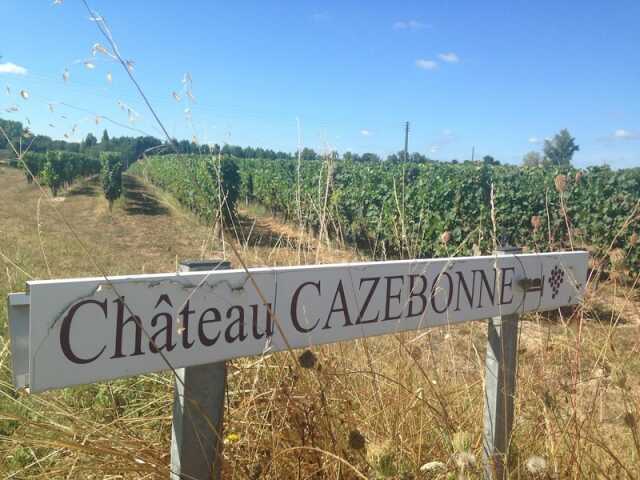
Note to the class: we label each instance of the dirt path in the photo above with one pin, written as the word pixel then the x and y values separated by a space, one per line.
pixel 146 232
pixel 140 235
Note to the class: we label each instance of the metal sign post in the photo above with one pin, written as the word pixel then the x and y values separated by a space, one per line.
pixel 198 410
pixel 500 387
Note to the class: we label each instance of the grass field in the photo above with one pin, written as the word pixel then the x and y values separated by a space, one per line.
pixel 376 408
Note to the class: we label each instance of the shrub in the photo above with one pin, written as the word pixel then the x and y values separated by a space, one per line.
pixel 111 176
pixel 34 163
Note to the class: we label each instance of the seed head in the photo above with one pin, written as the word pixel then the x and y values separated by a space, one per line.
pixel 307 359
pixel 616 256
pixel 465 460
pixel 633 241
pixel 356 440
pixel 432 466
pixel 445 237
pixel 536 222
pixel 536 465
pixel 561 183
pixel 630 420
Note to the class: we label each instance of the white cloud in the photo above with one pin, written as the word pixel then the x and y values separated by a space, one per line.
pixel 12 68
pixel 365 132
pixel 534 140
pixel 622 134
pixel 449 57
pixel 408 25
pixel 426 64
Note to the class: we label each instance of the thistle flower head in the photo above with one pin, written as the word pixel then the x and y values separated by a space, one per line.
pixel 561 183
pixel 536 222
pixel 536 465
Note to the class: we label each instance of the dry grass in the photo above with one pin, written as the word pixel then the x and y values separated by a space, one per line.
pixel 376 408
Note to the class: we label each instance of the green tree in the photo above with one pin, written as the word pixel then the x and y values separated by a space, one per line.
pixel 308 154
pixel 111 176
pixel 230 175
pixel 560 149
pixel 34 163
pixel 369 157
pixel 104 142
pixel 489 160
pixel 12 129
pixel 532 159
pixel 89 141
pixel 53 172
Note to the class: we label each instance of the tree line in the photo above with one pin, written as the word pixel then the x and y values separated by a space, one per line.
pixel 557 151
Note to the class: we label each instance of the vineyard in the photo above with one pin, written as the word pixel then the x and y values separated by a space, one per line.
pixel 60 169
pixel 423 210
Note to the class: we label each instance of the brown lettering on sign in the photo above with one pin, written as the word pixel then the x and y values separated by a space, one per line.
pixel 469 294
pixel 184 313
pixel 294 307
pixel 268 330
pixel 374 283
pixel 419 293
pixel 392 296
pixel 437 287
pixel 399 296
pixel 214 317
pixel 343 307
pixel 229 335
pixel 65 332
pixel 484 282
pixel 504 284
pixel 120 324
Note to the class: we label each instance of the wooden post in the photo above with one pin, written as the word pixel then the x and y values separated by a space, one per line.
pixel 198 410
pixel 500 387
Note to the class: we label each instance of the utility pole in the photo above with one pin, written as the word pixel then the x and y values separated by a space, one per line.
pixel 406 141
pixel 473 153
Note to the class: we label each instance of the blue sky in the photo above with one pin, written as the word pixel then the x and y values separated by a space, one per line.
pixel 499 76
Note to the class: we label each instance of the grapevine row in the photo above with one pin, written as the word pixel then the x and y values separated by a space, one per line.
pixel 430 209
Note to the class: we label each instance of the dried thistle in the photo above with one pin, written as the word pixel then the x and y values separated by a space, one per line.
pixel 536 465
pixel 616 256
pixel 536 222
pixel 356 440
pixel 307 359
pixel 560 182
pixel 630 420
pixel 445 237
pixel 415 352
pixel 433 466
pixel 465 461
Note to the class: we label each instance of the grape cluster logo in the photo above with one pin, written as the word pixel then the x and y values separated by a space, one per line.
pixel 555 280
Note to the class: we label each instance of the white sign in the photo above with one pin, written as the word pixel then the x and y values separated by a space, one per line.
pixel 84 330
